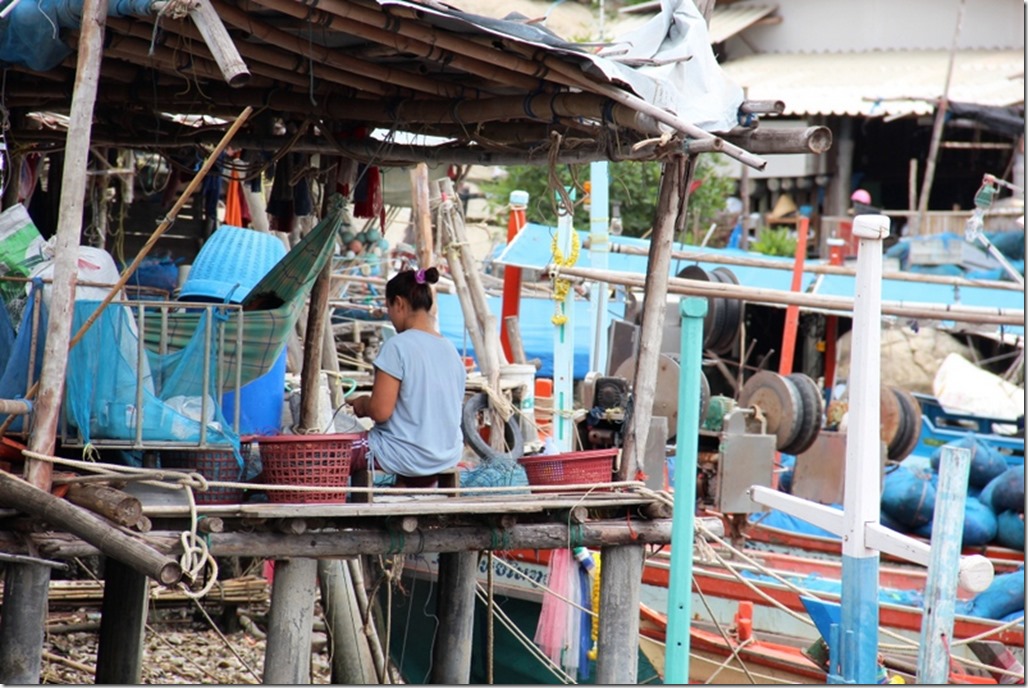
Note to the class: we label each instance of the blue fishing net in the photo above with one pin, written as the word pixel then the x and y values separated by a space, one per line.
pixel 495 474
pixel 105 375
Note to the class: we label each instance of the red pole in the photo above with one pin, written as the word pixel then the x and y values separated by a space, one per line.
pixel 792 313
pixel 835 257
pixel 511 304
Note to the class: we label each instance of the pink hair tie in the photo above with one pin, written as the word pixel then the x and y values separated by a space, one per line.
pixel 419 276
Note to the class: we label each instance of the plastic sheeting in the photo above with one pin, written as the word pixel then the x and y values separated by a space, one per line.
pixel 31 34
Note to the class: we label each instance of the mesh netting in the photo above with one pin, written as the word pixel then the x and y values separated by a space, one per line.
pixel 104 373
pixel 495 474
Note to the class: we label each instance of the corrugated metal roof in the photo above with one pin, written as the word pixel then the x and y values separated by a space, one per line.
pixel 879 83
pixel 725 22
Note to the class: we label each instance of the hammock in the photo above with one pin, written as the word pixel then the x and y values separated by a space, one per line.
pixel 269 310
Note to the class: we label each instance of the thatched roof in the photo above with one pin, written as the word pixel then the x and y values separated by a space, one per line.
pixel 332 71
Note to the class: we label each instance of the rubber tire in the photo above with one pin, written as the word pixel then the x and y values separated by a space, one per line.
pixel 469 426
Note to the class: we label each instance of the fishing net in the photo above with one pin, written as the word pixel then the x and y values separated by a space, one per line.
pixel 495 474
pixel 113 386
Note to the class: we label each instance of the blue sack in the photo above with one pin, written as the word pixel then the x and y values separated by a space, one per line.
pixel 1010 530
pixel 1005 595
pixel 1008 490
pixel 986 464
pixel 908 497
pixel 979 523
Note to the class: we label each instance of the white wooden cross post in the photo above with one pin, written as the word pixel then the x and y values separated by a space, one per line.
pixel 863 537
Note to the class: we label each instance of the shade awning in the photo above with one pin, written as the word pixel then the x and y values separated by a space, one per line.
pixel 882 83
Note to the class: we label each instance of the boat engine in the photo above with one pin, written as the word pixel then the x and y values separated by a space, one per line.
pixel 608 399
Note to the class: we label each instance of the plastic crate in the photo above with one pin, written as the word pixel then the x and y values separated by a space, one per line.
pixel 573 468
pixel 309 461
pixel 220 465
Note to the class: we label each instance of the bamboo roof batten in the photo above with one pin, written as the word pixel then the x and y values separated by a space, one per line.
pixel 487 69
pixel 386 78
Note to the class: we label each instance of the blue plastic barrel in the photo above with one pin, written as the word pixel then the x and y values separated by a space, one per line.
pixel 232 261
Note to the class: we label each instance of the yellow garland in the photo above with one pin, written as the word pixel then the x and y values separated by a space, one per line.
pixel 561 287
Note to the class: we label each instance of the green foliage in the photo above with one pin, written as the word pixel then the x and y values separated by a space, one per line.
pixel 774 241
pixel 634 185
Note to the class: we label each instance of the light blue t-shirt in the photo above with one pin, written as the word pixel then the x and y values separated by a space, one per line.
pixel 423 436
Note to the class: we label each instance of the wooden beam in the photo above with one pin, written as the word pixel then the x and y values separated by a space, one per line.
pixel 222 48
pixel 310 375
pixel 114 543
pixel 422 214
pixel 356 541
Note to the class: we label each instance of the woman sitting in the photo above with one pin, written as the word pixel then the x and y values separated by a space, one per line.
pixel 418 394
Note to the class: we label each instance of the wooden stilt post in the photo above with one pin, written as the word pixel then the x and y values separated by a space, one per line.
pixel 352 662
pixel 670 204
pixel 288 655
pixel 21 622
pixel 455 607
pixel 618 641
pixel 119 658
pixel 310 376
pixel 25 601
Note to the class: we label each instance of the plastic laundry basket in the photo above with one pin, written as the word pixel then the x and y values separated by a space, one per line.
pixel 230 264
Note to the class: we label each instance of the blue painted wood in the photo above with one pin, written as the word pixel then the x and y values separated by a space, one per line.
pixel 941 589
pixel 679 613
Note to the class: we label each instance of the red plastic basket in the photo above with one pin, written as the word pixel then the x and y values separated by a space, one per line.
pixel 219 465
pixel 573 468
pixel 309 461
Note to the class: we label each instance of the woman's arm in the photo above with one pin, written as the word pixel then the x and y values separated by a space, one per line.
pixel 380 404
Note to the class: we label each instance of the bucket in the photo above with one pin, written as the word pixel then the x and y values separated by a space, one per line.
pixel 260 411
pixel 521 378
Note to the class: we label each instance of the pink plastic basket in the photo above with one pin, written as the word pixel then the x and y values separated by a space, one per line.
pixel 309 461
pixel 573 468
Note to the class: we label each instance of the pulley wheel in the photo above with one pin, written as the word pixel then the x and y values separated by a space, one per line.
pixel 810 414
pixel 704 397
pixel 907 441
pixel 890 417
pixel 732 320
pixel 713 321
pixel 778 400
pixel 665 395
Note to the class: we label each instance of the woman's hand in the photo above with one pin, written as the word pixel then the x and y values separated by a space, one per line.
pixel 361 405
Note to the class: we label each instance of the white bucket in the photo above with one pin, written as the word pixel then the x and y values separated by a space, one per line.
pixel 521 378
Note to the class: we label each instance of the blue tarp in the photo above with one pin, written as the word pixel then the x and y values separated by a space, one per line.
pixel 531 249
pixel 535 325
pixel 31 34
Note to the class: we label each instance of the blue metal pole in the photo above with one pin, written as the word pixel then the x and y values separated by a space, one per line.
pixel 679 608
pixel 599 248
pixel 941 590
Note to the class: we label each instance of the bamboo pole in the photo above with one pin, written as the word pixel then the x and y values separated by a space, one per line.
pixel 940 121
pixel 967 314
pixel 223 50
pixel 422 213
pixel 701 257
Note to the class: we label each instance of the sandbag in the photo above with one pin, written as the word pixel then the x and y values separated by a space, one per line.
pixel 1005 595
pixel 908 497
pixel 21 248
pixel 1008 490
pixel 979 523
pixel 986 463
pixel 1010 530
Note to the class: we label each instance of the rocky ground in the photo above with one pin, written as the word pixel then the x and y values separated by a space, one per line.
pixel 190 653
